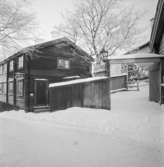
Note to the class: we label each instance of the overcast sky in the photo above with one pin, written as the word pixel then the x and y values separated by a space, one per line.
pixel 48 12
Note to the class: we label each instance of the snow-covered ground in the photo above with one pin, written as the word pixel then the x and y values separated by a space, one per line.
pixel 131 135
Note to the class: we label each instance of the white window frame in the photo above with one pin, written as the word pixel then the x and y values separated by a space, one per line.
pixel 63 63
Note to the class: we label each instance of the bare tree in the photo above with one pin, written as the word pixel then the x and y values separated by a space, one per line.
pixel 100 24
pixel 16 23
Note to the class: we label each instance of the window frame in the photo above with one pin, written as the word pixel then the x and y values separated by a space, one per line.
pixel 63 65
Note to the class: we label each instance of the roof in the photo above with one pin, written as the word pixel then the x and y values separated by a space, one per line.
pixel 77 81
pixel 59 43
pixel 158 26
pixel 136 58
pixel 146 44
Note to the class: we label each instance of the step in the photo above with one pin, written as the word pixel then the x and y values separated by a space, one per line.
pixel 41 109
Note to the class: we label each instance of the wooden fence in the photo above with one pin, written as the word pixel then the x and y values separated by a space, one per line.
pixel 90 92
pixel 118 83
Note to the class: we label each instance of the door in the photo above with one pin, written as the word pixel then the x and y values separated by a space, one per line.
pixel 41 92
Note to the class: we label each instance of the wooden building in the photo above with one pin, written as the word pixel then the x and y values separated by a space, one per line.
pixel 157 47
pixel 25 76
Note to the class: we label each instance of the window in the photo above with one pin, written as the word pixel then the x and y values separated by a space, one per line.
pixel 10 87
pixel 20 62
pixel 4 88
pixel 11 67
pixel 63 64
pixel 1 70
pixel 1 88
pixel 4 68
pixel 19 87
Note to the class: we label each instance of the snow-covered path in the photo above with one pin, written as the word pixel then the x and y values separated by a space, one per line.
pixel 131 135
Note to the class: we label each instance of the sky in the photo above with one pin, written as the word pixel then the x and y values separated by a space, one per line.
pixel 49 12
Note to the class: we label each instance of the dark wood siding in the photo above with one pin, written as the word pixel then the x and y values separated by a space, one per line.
pixel 94 94
pixel 66 96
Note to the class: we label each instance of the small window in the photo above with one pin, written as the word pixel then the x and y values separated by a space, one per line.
pixel 11 67
pixel 63 64
pixel 20 62
pixel 19 87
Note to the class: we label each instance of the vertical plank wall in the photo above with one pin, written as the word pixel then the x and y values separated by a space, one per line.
pixel 94 94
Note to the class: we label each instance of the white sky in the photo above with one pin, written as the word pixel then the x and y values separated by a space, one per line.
pixel 49 12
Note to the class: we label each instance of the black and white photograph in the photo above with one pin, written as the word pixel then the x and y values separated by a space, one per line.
pixel 81 83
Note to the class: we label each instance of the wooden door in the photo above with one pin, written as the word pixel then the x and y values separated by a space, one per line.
pixel 41 92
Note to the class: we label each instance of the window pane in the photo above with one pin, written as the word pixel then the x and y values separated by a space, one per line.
pixel 0 69
pixel 4 88
pixel 5 68
pixel 11 87
pixel 20 62
pixel 0 88
pixel 67 64
pixel 11 65
pixel 19 87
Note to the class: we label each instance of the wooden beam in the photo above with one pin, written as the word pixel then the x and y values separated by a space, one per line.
pixel 135 60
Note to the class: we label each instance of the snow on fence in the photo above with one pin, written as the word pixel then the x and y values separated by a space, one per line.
pixel 90 92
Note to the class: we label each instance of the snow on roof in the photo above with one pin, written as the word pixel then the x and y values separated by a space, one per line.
pixel 137 56
pixel 57 42
pixel 77 81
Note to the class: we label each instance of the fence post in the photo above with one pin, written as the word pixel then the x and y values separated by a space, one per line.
pixel 107 65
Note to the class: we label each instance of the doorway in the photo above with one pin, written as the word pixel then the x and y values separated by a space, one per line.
pixel 41 92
